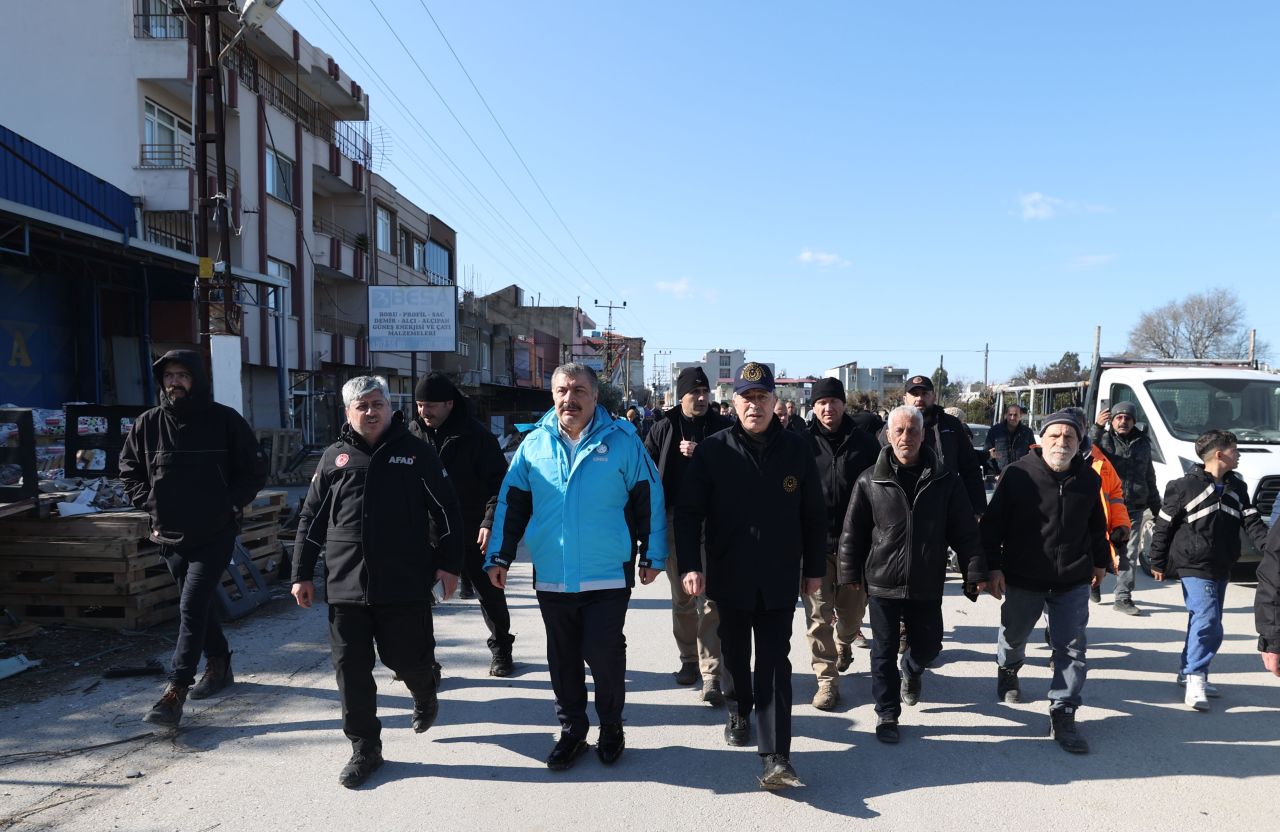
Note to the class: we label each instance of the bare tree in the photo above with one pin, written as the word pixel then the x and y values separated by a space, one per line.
pixel 1205 325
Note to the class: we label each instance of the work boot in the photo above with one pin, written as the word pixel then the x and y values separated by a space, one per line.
pixel 168 711
pixel 501 664
pixel 737 731
pixel 566 752
pixel 465 590
pixel 828 696
pixel 425 709
pixel 1062 727
pixel 688 673
pixel 778 773
pixel 844 657
pixel 610 744
pixel 887 730
pixel 910 686
pixel 1126 606
pixel 1196 697
pixel 217 676
pixel 1210 690
pixel 1007 687
pixel 359 767
pixel 711 693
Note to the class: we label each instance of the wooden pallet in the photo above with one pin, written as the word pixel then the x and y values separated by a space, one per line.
pixel 128 612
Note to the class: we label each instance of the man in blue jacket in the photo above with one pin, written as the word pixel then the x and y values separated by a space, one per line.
pixel 584 494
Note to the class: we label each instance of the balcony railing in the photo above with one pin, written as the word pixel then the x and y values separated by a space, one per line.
pixel 332 229
pixel 338 326
pixel 180 156
pixel 155 19
pixel 171 229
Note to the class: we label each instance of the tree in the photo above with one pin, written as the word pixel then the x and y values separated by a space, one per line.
pixel 611 398
pixel 1204 325
pixel 942 386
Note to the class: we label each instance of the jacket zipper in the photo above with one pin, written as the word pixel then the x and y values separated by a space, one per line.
pixel 363 516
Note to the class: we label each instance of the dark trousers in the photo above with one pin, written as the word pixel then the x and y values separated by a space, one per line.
pixel 769 691
pixel 493 601
pixel 198 571
pixel 923 622
pixel 406 644
pixel 586 627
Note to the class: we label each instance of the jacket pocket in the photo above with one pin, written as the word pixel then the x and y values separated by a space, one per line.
pixel 188 493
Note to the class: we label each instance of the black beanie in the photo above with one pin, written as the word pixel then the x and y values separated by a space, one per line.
pixel 689 379
pixel 435 388
pixel 827 388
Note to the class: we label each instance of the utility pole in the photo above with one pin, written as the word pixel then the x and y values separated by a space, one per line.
pixel 608 335
pixel 986 358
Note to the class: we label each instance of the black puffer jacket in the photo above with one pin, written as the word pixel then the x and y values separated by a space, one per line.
pixel 387 518
pixel 1009 447
pixel 1132 460
pixel 764 519
pixel 473 459
pixel 897 548
pixel 949 439
pixel 840 458
pixel 1266 603
pixel 663 444
pixel 1045 533
pixel 191 463
pixel 1197 530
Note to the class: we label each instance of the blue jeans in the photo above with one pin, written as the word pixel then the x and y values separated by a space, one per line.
pixel 1204 598
pixel 1068 617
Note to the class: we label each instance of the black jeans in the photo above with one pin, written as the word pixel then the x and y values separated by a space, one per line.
pixel 406 644
pixel 493 601
pixel 198 571
pixel 923 621
pixel 769 692
pixel 586 627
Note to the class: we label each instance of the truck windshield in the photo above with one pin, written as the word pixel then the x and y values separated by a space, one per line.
pixel 1248 408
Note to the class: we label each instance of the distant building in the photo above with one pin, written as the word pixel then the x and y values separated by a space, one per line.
pixel 720 367
pixel 885 383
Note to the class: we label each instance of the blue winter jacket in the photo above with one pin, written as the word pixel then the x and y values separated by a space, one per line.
pixel 586 520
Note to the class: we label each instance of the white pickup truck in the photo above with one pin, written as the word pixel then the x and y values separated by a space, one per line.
pixel 1177 400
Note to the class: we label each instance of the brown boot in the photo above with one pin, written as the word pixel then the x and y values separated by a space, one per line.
pixel 217 676
pixel 168 711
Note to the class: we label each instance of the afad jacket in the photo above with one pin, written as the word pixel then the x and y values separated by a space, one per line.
pixel 587 519
pixel 1197 531
pixel 386 516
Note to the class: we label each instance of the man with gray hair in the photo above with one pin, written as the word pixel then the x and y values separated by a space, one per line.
pixel 384 512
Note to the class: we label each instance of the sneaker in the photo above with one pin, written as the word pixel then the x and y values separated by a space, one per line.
pixel 566 752
pixel 168 711
pixel 887 731
pixel 1196 697
pixel 737 731
pixel 1062 727
pixel 844 657
pixel 778 773
pixel 502 665
pixel 1007 687
pixel 217 676
pixel 711 693
pixel 1210 690
pixel 1124 605
pixel 610 743
pixel 1095 594
pixel 687 674
pixel 827 697
pixel 359 767
pixel 425 710
pixel 860 641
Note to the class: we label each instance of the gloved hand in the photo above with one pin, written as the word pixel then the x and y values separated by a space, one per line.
pixel 1120 536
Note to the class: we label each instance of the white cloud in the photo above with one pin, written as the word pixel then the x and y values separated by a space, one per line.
pixel 1084 262
pixel 821 258
pixel 680 288
pixel 1038 206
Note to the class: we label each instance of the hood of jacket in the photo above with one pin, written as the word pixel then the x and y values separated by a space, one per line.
pixel 201 395
pixel 394 431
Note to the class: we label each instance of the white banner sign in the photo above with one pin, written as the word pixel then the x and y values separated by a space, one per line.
pixel 413 318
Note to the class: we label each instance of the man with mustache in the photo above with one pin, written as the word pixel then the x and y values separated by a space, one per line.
pixel 1045 535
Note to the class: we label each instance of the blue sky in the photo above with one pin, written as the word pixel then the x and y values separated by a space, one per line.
pixel 827 182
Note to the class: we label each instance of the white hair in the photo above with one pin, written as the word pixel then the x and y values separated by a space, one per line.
pixel 917 418
pixel 363 386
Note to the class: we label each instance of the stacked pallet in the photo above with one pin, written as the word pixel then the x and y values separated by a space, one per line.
pixel 260 530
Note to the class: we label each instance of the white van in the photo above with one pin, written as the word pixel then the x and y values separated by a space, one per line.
pixel 1177 400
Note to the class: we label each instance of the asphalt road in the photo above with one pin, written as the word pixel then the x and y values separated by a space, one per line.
pixel 265 755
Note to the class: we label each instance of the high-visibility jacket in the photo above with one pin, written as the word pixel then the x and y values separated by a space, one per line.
pixel 1112 495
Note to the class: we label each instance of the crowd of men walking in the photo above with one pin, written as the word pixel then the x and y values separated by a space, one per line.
pixel 743 515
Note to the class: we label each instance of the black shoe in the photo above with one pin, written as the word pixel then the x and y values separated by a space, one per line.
pixel 566 752
pixel 359 767
pixel 910 687
pixel 168 711
pixel 217 676
pixel 502 665
pixel 465 590
pixel 1007 687
pixel 844 657
pixel 778 773
pixel 1062 727
pixel 610 743
pixel 1095 594
pixel 425 709
pixel 887 731
pixel 1124 605
pixel 688 673
pixel 737 731
pixel 711 693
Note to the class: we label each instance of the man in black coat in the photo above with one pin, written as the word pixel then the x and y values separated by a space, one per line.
pixel 671 442
pixel 842 452
pixel 193 465
pixel 949 439
pixel 383 510
pixel 902 516
pixel 1266 603
pixel 1045 535
pixel 1009 441
pixel 476 466
pixel 755 493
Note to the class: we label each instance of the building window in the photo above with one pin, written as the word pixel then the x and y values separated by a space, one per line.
pixel 275 268
pixel 384 230
pixel 406 246
pixel 438 261
pixel 279 175
pixel 419 256
pixel 484 355
pixel 166 136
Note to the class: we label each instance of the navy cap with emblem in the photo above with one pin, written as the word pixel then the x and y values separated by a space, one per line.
pixel 753 376
pixel 920 381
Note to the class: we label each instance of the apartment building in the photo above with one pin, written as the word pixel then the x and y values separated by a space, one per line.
pixel 721 366
pixel 885 383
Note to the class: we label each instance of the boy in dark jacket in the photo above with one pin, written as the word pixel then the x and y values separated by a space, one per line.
pixel 1197 534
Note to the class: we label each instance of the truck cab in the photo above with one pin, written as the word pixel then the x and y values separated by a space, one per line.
pixel 1178 400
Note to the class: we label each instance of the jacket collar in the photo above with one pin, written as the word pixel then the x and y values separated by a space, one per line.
pixel 601 424
pixel 883 471
pixel 393 432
